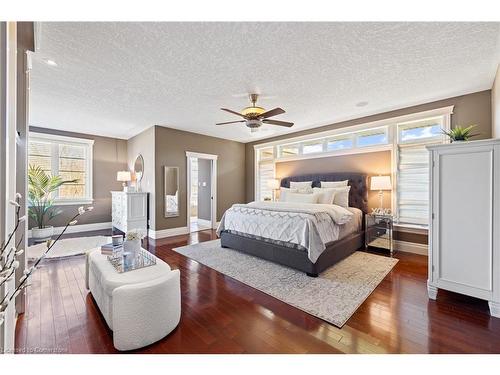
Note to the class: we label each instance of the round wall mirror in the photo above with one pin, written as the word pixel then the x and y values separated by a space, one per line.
pixel 139 168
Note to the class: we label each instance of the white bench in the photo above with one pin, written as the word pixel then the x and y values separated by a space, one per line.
pixel 140 306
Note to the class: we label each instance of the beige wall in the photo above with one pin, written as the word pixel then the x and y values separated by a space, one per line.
pixel 372 163
pixel 469 109
pixel 110 156
pixel 171 146
pixel 144 144
pixel 495 106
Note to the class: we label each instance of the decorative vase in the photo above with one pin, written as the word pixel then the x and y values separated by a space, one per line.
pixel 133 247
pixel 42 234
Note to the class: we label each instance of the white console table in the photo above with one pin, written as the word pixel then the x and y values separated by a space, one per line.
pixel 129 210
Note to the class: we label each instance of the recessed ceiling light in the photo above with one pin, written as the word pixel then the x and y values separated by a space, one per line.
pixel 361 104
pixel 51 62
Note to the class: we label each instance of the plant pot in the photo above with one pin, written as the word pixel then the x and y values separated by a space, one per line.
pixel 133 247
pixel 42 234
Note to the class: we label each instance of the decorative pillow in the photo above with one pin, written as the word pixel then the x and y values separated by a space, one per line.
pixel 302 187
pixel 333 184
pixel 325 196
pixel 284 192
pixel 302 198
pixel 341 197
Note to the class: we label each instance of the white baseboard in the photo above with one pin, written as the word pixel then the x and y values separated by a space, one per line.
pixel 411 247
pixel 156 234
pixel 80 228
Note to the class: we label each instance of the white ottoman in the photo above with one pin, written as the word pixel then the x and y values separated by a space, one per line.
pixel 140 306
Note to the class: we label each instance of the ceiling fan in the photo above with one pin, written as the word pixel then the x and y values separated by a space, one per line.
pixel 255 116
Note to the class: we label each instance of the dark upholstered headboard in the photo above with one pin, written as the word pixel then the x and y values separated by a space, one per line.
pixel 358 195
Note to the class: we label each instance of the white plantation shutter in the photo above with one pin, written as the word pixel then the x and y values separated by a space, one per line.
pixel 413 185
pixel 266 173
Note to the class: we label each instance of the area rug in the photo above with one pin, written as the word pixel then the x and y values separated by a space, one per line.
pixel 67 247
pixel 333 296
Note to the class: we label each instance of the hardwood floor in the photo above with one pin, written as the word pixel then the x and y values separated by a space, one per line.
pixel 222 315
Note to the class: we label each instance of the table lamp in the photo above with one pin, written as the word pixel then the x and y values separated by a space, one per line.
pixel 273 184
pixel 124 177
pixel 381 183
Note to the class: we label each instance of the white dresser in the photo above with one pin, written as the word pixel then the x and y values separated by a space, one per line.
pixel 464 235
pixel 129 210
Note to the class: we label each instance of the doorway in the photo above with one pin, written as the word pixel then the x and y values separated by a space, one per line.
pixel 201 183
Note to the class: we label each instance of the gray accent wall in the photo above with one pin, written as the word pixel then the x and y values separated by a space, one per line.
pixel 372 163
pixel 110 156
pixel 204 189
pixel 171 146
pixel 144 144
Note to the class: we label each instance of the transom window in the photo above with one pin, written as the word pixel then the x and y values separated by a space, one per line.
pixel 68 157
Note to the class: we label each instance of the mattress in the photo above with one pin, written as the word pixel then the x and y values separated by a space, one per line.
pixel 310 227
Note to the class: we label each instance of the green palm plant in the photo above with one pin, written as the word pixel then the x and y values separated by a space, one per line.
pixel 460 133
pixel 40 198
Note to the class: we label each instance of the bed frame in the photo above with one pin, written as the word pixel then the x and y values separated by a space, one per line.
pixel 297 258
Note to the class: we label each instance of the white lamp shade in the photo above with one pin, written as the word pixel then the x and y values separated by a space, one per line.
pixel 381 183
pixel 123 176
pixel 273 184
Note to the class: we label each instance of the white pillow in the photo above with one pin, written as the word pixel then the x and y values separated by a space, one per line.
pixel 284 192
pixel 325 196
pixel 333 184
pixel 341 197
pixel 302 198
pixel 303 187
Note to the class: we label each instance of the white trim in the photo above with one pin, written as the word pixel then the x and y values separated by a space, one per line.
pixel 411 228
pixel 354 128
pixel 213 186
pixel 411 247
pixel 200 155
pixel 81 228
pixel 60 138
pixel 157 234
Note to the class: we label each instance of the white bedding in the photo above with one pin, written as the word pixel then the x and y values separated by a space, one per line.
pixel 309 226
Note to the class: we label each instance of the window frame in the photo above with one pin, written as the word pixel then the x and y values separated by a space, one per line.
pixel 88 145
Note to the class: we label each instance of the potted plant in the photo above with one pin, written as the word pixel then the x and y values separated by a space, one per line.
pixel 41 208
pixel 459 133
pixel 132 242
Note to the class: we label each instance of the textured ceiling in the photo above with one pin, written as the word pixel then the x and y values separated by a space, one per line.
pixel 117 79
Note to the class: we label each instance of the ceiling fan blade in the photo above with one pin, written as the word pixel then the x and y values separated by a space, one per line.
pixel 276 122
pixel 233 112
pixel 272 112
pixel 229 122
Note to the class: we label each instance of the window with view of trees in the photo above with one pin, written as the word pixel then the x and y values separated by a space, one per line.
pixel 70 158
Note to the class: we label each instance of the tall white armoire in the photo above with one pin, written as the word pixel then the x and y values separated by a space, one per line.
pixel 464 235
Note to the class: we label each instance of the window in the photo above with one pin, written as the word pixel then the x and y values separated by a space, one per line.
pixel 413 185
pixel 422 130
pixel 266 153
pixel 413 168
pixel 265 174
pixel 312 147
pixel 339 143
pixel 71 158
pixel 372 137
pixel 289 150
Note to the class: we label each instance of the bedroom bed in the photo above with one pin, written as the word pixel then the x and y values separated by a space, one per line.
pixel 349 236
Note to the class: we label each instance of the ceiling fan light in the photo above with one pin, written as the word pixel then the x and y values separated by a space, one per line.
pixel 252 111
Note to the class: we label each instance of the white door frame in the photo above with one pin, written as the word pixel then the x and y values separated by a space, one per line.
pixel 213 186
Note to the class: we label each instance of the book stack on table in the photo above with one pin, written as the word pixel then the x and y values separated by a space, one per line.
pixel 113 247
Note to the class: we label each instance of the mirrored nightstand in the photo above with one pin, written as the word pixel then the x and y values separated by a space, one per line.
pixel 378 231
